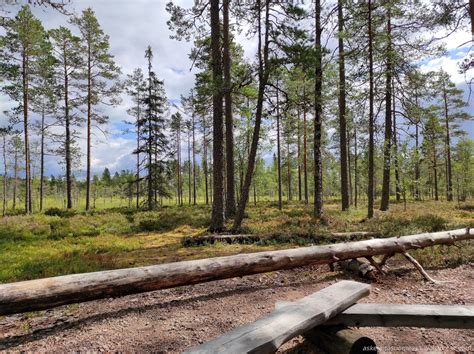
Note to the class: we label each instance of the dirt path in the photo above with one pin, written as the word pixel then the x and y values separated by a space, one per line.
pixel 176 319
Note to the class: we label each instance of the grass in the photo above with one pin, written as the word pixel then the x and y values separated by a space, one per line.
pixel 40 245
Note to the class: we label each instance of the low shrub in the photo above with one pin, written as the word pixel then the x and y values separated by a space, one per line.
pixel 62 213
pixel 430 223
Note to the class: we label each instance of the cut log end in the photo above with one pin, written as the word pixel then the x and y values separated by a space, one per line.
pixel 337 340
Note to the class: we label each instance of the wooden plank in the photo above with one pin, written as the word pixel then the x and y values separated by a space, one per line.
pixel 267 334
pixel 46 293
pixel 402 315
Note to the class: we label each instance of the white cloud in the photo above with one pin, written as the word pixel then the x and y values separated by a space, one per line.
pixel 450 65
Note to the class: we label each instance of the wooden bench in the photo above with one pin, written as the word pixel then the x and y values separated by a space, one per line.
pixel 267 334
pixel 324 318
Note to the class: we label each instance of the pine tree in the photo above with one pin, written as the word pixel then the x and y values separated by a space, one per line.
pixel 25 43
pixel 66 50
pixel 101 75
pixel 451 106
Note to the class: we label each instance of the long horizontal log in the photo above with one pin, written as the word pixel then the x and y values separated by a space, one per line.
pixel 46 293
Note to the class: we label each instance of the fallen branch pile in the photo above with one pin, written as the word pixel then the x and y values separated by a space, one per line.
pixel 50 292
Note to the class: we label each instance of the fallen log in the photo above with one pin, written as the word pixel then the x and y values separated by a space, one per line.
pixel 267 334
pixel 46 293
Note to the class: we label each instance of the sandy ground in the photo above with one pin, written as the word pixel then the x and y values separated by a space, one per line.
pixel 176 319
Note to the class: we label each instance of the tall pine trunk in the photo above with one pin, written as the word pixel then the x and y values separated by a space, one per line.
pixel 278 148
pixel 342 113
pixel 305 149
pixel 300 193
pixel 137 182
pixel 5 174
pixel 42 158
pixel 388 119
pixel 318 170
pixel 371 177
pixel 263 74
pixel 67 147
pixel 217 218
pixel 25 78
pixel 229 124
pixel 89 126
pixel 194 160
pixel 395 149
pixel 449 172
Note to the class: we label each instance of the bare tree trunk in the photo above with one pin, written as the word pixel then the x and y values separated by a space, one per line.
pixel 5 176
pixel 218 217
pixel 89 126
pixel 42 160
pixel 356 173
pixel 25 71
pixel 300 194
pixel 435 172
pixel 417 154
pixel 194 160
pixel 67 147
pixel 189 169
pixel 318 170
pixel 229 124
pixel 15 177
pixel 278 146
pixel 204 162
pixel 384 204
pixel 449 173
pixel 395 150
pixel 263 74
pixel 305 148
pixel 342 112
pixel 371 177
pixel 288 167
pixel 137 183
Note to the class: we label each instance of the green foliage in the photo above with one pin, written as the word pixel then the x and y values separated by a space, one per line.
pixel 430 222
pixel 63 213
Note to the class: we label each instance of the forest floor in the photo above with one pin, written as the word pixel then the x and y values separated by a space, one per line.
pixel 176 319
pixel 42 245
pixel 172 320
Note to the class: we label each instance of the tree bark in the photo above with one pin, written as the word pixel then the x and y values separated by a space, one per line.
pixel 342 112
pixel 371 177
pixel 42 294
pixel 229 123
pixel 218 217
pixel 42 159
pixel 384 204
pixel 194 160
pixel 280 202
pixel 395 149
pixel 305 148
pixel 449 173
pixel 67 147
pixel 89 125
pixel 5 174
pixel 25 78
pixel 318 170
pixel 263 74
pixel 300 191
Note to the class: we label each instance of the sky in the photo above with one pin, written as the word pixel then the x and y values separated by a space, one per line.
pixel 132 26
